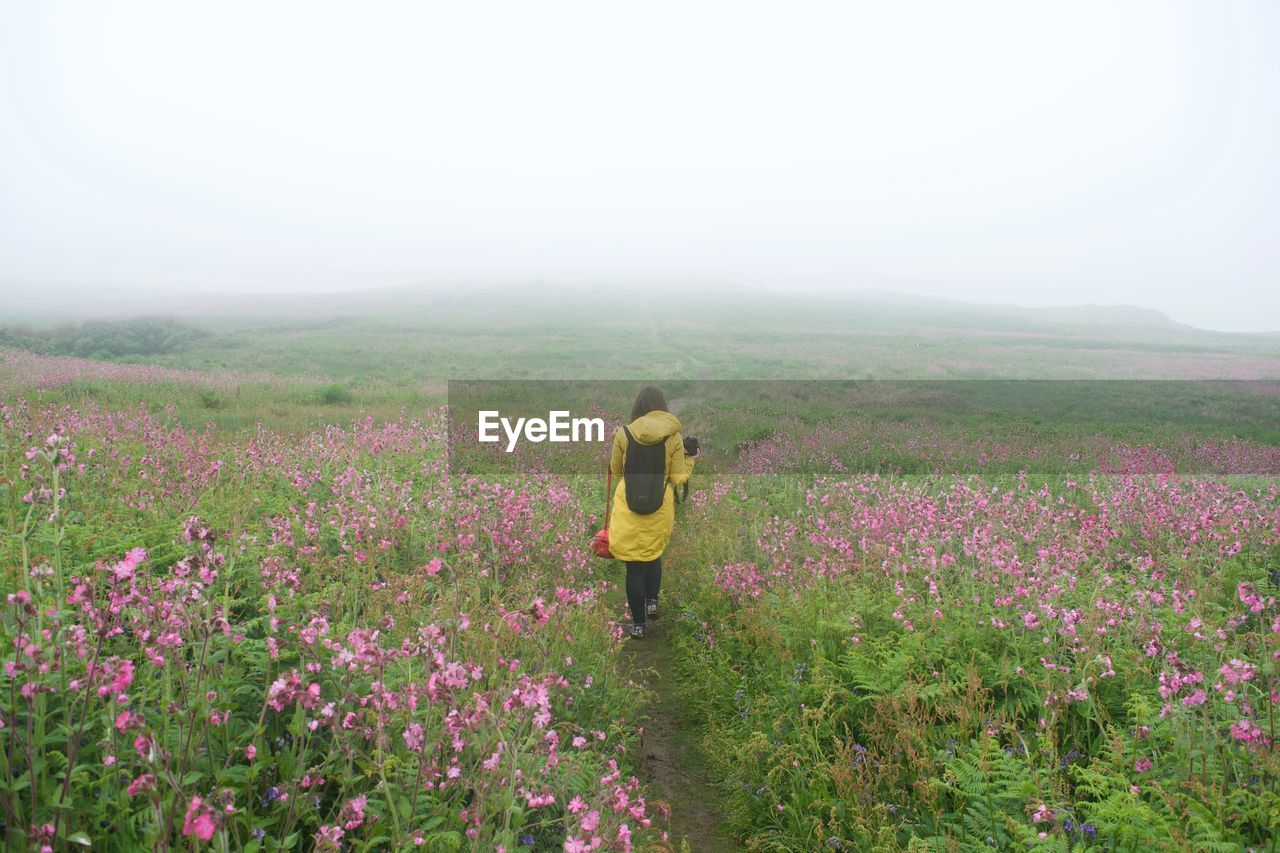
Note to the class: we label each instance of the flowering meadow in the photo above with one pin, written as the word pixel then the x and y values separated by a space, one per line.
pixel 957 663
pixel 263 641
pixel 278 631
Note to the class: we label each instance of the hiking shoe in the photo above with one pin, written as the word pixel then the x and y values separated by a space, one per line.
pixel 651 608
pixel 637 632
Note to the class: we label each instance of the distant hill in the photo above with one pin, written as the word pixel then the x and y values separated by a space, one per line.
pixel 1127 316
pixel 555 330
pixel 35 306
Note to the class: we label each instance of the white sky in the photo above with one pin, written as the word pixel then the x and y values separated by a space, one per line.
pixel 1022 152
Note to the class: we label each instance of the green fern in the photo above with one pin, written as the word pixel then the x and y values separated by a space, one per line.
pixel 991 789
pixel 1123 818
pixel 1205 830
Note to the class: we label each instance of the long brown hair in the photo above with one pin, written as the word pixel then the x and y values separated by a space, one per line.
pixel 650 399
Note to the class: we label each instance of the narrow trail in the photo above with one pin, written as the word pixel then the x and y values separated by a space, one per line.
pixel 679 356
pixel 669 760
pixel 670 754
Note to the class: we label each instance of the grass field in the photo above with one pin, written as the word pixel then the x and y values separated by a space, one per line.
pixel 252 602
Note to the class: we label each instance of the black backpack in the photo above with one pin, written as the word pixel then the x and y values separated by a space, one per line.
pixel 645 473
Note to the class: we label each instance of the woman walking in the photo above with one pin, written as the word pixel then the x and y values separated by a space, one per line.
pixel 636 537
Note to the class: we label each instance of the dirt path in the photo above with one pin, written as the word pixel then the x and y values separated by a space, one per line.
pixel 670 763
pixel 670 766
pixel 679 355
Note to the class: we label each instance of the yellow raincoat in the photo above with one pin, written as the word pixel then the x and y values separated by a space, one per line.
pixel 640 538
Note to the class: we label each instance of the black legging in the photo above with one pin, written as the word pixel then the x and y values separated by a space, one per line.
pixel 643 580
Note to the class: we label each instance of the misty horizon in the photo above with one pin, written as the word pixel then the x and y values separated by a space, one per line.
pixel 76 305
pixel 995 155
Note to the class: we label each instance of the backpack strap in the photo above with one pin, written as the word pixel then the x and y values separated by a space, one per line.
pixel 608 495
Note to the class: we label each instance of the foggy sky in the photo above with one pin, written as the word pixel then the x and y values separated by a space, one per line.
pixel 1035 153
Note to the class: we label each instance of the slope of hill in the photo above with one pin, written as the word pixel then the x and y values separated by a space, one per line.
pixel 420 334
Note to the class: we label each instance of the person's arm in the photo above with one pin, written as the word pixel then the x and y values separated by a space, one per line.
pixel 679 464
pixel 616 456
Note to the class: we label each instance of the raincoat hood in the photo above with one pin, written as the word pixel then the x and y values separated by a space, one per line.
pixel 654 427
